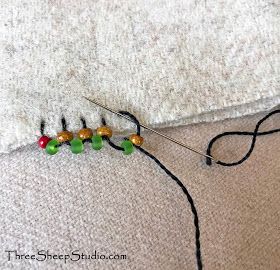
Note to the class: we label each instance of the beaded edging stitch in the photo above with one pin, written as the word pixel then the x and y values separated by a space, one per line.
pixel 51 145
pixel 127 147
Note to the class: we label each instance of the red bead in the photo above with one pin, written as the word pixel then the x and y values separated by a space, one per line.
pixel 43 141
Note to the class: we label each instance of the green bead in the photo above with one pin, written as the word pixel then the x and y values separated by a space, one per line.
pixel 128 147
pixel 52 147
pixel 77 146
pixel 97 142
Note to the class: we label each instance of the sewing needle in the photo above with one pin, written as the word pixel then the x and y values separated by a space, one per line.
pixel 150 129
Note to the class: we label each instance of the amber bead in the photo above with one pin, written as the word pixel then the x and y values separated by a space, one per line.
pixel 64 136
pixel 136 139
pixel 85 133
pixel 104 131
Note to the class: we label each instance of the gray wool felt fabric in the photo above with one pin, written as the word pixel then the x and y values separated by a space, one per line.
pixel 169 62
pixel 112 203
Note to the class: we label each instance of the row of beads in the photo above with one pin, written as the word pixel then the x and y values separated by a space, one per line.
pixel 86 134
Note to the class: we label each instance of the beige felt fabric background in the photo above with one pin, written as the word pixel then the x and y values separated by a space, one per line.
pixel 169 62
pixel 112 203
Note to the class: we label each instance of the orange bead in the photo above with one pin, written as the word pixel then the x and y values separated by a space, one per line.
pixel 136 139
pixel 104 131
pixel 85 133
pixel 64 136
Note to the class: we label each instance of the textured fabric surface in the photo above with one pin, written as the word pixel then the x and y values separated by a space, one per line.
pixel 108 202
pixel 188 61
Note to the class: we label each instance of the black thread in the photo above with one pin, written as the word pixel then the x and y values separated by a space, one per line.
pixel 60 144
pixel 63 123
pixel 119 148
pixel 173 177
pixel 190 200
pixel 254 135
pixel 134 119
pixel 42 127
pixel 87 140
pixel 103 121
pixel 83 120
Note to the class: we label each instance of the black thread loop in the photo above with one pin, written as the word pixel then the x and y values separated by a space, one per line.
pixel 134 119
pixel 254 135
